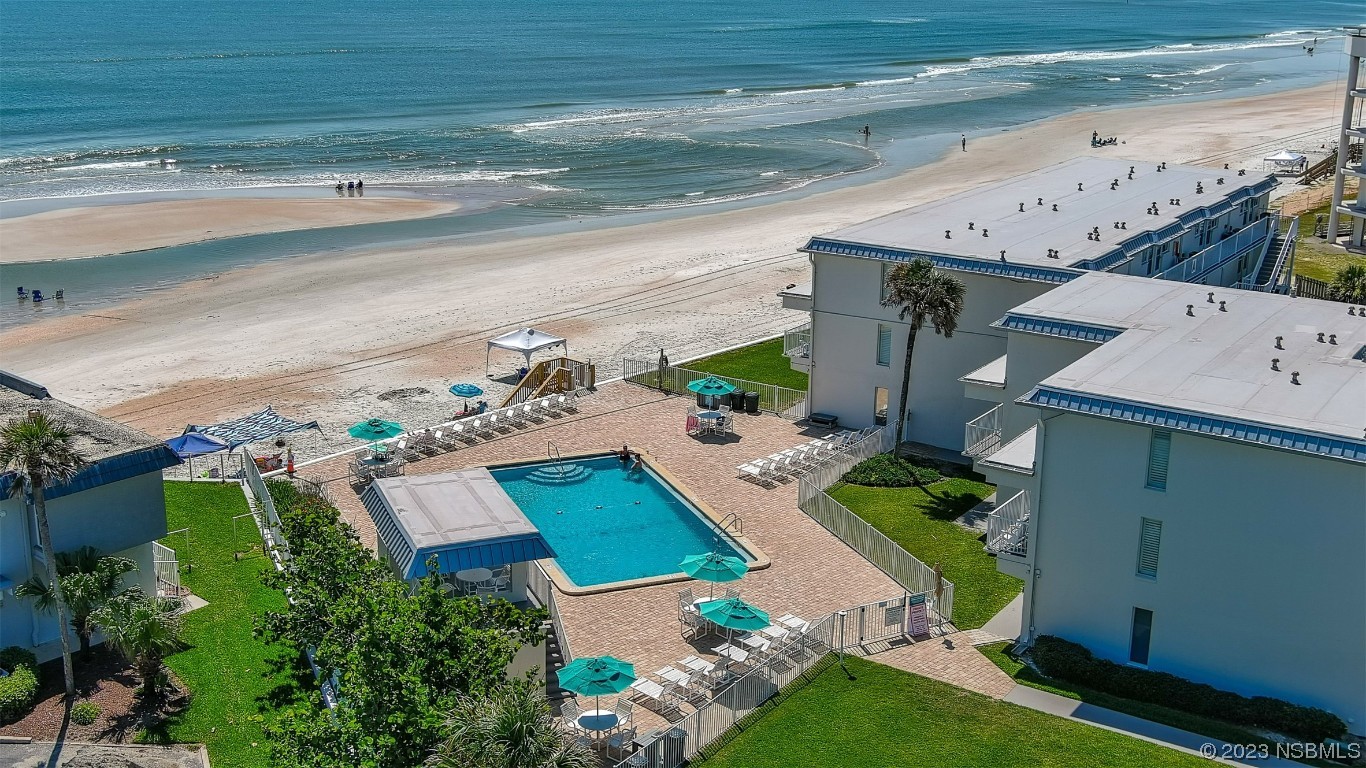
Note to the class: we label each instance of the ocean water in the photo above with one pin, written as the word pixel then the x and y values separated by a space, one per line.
pixel 550 111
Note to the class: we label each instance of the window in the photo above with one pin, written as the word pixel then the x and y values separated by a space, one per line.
pixel 884 344
pixel 1149 541
pixel 1141 637
pixel 1159 456
pixel 882 285
pixel 880 406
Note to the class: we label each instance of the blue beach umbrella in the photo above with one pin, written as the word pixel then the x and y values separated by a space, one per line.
pixel 466 391
pixel 711 386
pixel 714 567
pixel 597 675
pixel 734 613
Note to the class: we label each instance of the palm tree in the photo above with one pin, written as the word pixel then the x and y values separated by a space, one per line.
pixel 38 451
pixel 922 293
pixel 509 728
pixel 145 630
pixel 87 581
pixel 1349 284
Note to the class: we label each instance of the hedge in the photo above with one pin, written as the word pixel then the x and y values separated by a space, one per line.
pixel 887 471
pixel 1069 661
pixel 18 689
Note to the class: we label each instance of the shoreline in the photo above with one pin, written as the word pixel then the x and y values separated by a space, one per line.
pixel 324 336
pixel 472 199
pixel 83 232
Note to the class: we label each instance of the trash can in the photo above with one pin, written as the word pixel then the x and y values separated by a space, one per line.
pixel 737 401
pixel 674 741
pixel 751 402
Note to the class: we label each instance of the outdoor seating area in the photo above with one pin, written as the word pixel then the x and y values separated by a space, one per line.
pixel 393 449
pixel 782 466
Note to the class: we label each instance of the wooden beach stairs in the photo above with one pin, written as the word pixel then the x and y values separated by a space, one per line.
pixel 548 377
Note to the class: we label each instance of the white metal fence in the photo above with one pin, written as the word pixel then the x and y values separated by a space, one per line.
pixel 1279 262
pixel 1008 526
pixel 167 570
pixel 797 341
pixel 903 567
pixel 785 402
pixel 689 736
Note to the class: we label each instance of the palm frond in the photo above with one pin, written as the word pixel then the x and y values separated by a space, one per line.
pixel 39 451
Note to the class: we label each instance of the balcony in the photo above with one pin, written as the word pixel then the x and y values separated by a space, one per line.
pixel 982 435
pixel 797 346
pixel 1008 527
pixel 988 382
pixel 797 297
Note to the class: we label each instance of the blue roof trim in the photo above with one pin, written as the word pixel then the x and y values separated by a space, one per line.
pixel 388 530
pixel 1214 426
pixel 1066 330
pixel 1057 275
pixel 106 471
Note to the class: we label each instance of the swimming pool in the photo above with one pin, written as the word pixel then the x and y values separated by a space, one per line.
pixel 608 525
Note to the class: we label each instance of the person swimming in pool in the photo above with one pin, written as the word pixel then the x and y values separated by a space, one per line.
pixel 624 454
pixel 638 464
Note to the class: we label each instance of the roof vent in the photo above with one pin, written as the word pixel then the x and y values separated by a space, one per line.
pixel 1199 188
pixel 1294 377
pixel 984 231
pixel 1052 253
pixel 1275 363
pixel 1164 165
pixel 1114 184
pixel 1116 225
pixel 1332 338
pixel 1320 337
pixel 1131 175
pixel 1209 297
pixel 1242 172
pixel 1279 339
pixel 1041 201
pixel 1055 206
pixel 1220 181
pixel 1003 256
pixel 1190 310
pixel 1352 311
pixel 1021 207
pixel 1131 170
pixel 1124 225
pixel 1159 169
pixel 1222 308
pixel 947 235
pixel 972 225
pixel 1225 168
pixel 1079 186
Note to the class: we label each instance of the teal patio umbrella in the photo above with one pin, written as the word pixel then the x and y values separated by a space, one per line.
pixel 466 391
pixel 714 567
pixel 734 613
pixel 711 386
pixel 375 429
pixel 597 675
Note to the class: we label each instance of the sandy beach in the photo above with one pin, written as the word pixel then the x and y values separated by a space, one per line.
pixel 383 332
pixel 70 233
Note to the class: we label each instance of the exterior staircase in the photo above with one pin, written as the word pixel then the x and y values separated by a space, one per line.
pixel 1269 264
pixel 554 662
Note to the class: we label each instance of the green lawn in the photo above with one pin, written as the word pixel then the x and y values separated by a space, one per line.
pixel 1315 259
pixel 236 681
pixel 922 523
pixel 763 362
pixel 886 717
pixel 1215 729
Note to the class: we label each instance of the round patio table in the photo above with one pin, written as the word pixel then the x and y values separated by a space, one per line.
pixel 474 575
pixel 598 720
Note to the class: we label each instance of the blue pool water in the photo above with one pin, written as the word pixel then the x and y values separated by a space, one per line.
pixel 608 525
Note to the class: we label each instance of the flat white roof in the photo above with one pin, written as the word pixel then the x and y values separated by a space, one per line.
pixel 799 291
pixel 1216 362
pixel 1016 455
pixel 993 374
pixel 453 508
pixel 1027 236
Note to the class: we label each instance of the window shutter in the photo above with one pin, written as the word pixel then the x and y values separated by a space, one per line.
pixel 1159 456
pixel 1149 542
pixel 884 345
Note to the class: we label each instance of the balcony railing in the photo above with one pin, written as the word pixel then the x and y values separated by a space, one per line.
pixel 1008 527
pixel 1201 265
pixel 797 341
pixel 982 435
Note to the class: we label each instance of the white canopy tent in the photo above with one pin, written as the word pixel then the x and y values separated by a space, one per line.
pixel 1286 161
pixel 526 341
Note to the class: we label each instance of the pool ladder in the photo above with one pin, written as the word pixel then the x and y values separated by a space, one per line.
pixel 552 452
pixel 732 519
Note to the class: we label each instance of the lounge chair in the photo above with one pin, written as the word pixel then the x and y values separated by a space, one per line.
pixel 752 473
pixel 661 696
pixel 530 414
pixel 406 451
pixel 512 416
pixel 732 593
pixel 481 428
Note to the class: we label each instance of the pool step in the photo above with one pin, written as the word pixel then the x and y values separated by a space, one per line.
pixel 560 475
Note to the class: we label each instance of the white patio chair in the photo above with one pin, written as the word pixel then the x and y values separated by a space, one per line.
pixel 530 414
pixel 686 598
pixel 560 403
pixel 621 741
pixel 570 712
pixel 481 428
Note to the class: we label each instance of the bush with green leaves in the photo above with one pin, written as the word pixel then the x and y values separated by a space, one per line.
pixel 1069 661
pixel 19 688
pixel 886 470
pixel 85 712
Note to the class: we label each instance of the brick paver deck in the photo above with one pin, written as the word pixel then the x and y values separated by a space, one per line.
pixel 953 660
pixel 813 572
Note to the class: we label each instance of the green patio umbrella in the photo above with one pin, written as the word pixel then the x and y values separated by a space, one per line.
pixel 714 567
pixel 597 675
pixel 375 429
pixel 711 386
pixel 734 613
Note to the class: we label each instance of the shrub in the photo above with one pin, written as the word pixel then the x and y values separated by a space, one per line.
pixel 85 713
pixel 18 689
pixel 887 471
pixel 1068 661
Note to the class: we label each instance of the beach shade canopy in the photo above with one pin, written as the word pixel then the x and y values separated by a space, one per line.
pixel 734 613
pixel 466 390
pixel 254 428
pixel 1285 156
pixel 711 386
pixel 196 444
pixel 526 341
pixel 375 429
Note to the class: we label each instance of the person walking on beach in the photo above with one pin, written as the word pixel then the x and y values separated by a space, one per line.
pixel 965 142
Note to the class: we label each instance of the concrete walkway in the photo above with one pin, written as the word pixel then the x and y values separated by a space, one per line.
pixel 1167 736
pixel 71 754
